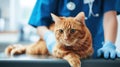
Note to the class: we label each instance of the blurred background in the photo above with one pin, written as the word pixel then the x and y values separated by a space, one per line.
pixel 14 28
pixel 14 17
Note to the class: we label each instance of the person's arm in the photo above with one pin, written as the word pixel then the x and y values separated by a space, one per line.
pixel 41 19
pixel 48 36
pixel 110 25
pixel 110 32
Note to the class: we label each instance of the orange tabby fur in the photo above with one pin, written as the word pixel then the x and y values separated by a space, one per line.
pixel 74 42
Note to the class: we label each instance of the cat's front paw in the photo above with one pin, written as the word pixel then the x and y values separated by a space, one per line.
pixel 75 63
pixel 73 60
pixel 14 49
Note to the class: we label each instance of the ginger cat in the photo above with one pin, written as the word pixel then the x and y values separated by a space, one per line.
pixel 73 38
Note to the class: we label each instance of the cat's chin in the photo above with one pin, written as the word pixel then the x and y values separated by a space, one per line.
pixel 71 44
pixel 68 44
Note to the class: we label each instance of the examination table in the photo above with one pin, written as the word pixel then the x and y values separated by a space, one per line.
pixel 49 61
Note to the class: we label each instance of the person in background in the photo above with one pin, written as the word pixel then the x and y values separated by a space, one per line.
pixel 100 19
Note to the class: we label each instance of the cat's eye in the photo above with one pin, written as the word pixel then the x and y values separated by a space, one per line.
pixel 60 30
pixel 72 31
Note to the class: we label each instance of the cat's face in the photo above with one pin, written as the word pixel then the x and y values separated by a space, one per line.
pixel 69 30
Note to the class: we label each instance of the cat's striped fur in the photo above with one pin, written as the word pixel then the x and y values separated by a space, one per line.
pixel 74 42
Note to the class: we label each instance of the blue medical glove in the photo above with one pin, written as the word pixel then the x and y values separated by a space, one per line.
pixel 118 52
pixel 50 40
pixel 108 50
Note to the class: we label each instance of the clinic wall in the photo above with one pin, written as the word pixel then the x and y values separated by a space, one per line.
pixel 4 6
pixel 10 12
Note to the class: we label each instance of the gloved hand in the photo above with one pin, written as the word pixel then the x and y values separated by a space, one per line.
pixel 50 40
pixel 118 52
pixel 108 50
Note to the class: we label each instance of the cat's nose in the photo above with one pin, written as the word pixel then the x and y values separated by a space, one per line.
pixel 66 38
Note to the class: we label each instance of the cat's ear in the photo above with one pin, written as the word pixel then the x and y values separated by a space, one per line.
pixel 55 18
pixel 80 17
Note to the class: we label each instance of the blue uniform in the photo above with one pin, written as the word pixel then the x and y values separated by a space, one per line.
pixel 118 6
pixel 41 15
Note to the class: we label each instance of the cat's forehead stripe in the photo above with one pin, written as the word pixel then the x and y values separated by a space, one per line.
pixel 67 23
